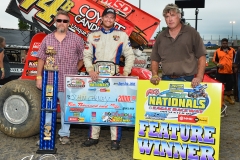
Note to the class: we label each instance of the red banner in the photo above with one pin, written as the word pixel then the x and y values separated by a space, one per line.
pixel 85 16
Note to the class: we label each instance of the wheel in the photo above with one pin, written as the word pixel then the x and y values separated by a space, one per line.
pixel 20 105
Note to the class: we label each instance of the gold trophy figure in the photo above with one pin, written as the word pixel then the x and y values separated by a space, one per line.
pixel 47 132
pixel 50 61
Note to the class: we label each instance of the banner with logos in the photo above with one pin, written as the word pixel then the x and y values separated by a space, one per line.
pixel 176 121
pixel 85 16
pixel 107 101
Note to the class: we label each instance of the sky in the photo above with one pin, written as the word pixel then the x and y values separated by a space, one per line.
pixel 216 17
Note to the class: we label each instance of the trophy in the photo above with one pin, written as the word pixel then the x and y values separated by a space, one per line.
pixel 50 61
pixel 48 105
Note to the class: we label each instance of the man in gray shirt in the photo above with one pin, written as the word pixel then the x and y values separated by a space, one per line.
pixel 180 49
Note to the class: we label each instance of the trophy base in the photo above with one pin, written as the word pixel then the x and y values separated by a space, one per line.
pixel 42 151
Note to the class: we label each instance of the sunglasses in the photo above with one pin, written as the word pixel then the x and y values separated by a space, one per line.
pixel 62 20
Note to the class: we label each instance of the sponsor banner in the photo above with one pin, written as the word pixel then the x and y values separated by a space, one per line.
pixel 107 101
pixel 31 73
pixel 85 16
pixel 36 45
pixel 32 64
pixel 30 67
pixel 176 121
pixel 16 70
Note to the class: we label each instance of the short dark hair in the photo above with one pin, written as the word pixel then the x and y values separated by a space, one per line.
pixel 62 12
pixel 109 10
pixel 224 40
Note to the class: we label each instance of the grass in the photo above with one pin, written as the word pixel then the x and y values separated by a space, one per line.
pixel 211 65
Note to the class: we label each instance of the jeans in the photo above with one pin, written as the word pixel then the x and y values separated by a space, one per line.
pixel 64 131
pixel 182 78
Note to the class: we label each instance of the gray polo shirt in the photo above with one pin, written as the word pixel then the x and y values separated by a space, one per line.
pixel 179 56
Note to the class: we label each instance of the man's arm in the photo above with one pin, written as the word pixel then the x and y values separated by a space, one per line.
pixel 88 55
pixel 154 68
pixel 80 49
pixel 200 73
pixel 41 60
pixel 80 64
pixel 214 58
pixel 40 67
pixel 88 58
pixel 129 56
pixel 236 62
pixel 1 63
pixel 39 73
pixel 1 59
pixel 201 67
pixel 155 59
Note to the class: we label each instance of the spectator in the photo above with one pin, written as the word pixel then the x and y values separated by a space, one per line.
pixel 237 70
pixel 25 56
pixel 223 57
pixel 4 63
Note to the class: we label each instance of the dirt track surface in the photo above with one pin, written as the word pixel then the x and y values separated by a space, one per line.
pixel 18 148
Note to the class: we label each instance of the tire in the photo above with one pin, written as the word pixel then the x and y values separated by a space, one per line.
pixel 20 105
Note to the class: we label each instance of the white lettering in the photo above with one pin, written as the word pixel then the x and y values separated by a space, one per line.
pixel 16 70
pixel 36 45
pixel 90 18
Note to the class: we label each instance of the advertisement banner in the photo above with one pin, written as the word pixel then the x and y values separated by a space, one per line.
pixel 107 101
pixel 176 121
pixel 85 16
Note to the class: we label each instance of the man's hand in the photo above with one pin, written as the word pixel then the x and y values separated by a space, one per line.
pixel 196 81
pixel 3 75
pixel 39 84
pixel 155 79
pixel 93 75
pixel 235 70
pixel 220 66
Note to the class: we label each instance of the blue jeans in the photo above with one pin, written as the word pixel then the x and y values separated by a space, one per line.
pixel 182 78
pixel 64 131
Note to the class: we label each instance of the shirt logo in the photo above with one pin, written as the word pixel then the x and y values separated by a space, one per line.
pixel 129 43
pixel 96 38
pixel 116 38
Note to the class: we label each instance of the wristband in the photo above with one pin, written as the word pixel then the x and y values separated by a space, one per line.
pixel 155 76
pixel 39 77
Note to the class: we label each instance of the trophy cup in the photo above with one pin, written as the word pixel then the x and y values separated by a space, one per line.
pixel 48 105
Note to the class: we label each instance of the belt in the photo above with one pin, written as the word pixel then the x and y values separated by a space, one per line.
pixel 173 76
pixel 106 68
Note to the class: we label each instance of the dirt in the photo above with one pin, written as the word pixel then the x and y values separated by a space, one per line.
pixel 25 148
